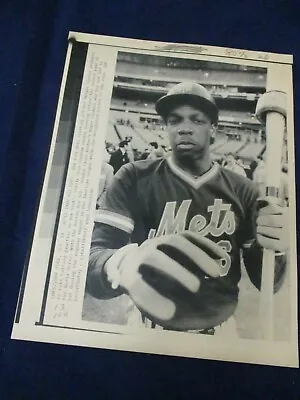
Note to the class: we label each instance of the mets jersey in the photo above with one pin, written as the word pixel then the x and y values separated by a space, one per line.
pixel 155 197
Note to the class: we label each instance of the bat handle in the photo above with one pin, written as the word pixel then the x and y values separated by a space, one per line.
pixel 267 289
pixel 275 122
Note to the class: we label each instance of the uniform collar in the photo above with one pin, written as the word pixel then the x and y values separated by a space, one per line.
pixel 195 182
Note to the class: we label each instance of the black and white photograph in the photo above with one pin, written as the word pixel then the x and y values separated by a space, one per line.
pixel 166 222
pixel 178 237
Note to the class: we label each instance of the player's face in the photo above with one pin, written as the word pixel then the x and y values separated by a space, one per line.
pixel 189 131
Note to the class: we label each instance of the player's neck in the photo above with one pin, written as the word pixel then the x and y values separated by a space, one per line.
pixel 195 167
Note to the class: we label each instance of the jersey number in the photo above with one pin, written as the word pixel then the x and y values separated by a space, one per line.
pixel 225 263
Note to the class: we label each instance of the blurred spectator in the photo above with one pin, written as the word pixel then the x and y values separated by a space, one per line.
pixel 106 156
pixel 164 147
pixel 233 166
pixel 137 154
pixel 110 148
pixel 223 162
pixel 106 175
pixel 156 151
pixel 129 148
pixel 145 154
pixel 239 162
pixel 259 176
pixel 119 157
pixel 251 169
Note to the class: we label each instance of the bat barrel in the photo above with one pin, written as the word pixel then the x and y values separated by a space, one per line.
pixel 275 128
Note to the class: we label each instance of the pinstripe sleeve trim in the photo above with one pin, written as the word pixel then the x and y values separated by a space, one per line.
pixel 114 219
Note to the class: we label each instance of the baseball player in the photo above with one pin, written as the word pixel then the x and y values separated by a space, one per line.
pixel 170 231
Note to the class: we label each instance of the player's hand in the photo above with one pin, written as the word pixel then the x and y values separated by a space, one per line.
pixel 272 224
pixel 167 278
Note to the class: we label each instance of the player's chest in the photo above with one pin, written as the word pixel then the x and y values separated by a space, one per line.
pixel 174 208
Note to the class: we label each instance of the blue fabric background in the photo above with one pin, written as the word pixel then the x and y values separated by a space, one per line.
pixel 33 44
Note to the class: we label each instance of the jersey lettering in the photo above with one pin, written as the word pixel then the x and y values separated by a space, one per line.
pixel 176 222
pixel 171 223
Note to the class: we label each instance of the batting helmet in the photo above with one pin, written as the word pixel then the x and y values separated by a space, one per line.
pixel 188 93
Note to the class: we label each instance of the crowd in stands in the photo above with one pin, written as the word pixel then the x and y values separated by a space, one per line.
pixel 256 171
pixel 116 156
pixel 123 121
pixel 149 124
pixel 131 153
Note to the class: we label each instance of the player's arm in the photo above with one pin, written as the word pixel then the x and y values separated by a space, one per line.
pixel 267 224
pixel 114 223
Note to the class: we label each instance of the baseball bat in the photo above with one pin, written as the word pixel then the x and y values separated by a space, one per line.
pixel 271 109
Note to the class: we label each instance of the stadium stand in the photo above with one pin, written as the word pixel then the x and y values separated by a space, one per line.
pixel 139 108
pixel 123 131
pixel 204 76
pixel 251 151
pixel 231 146
pixel 137 141
pixel 146 134
pixel 220 140
pixel 112 135
pixel 141 79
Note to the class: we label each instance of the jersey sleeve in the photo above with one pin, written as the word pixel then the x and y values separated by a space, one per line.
pixel 114 223
pixel 249 197
pixel 116 207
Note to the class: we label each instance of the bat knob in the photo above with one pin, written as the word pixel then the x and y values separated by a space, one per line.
pixel 271 101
